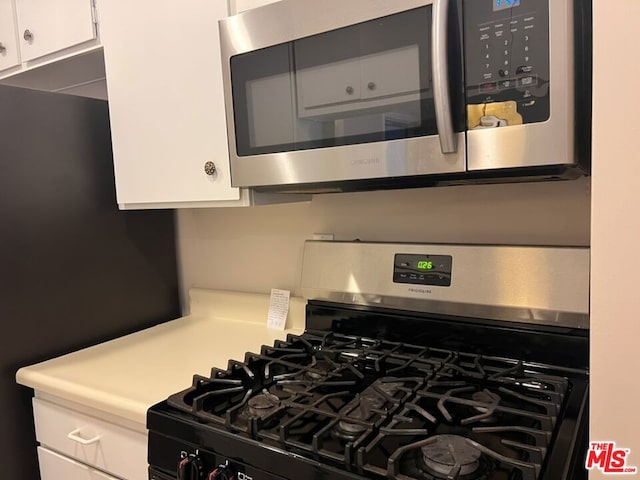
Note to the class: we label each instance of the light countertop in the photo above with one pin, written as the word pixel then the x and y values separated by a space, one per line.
pixel 125 376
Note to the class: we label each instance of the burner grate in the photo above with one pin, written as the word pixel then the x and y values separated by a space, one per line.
pixel 387 409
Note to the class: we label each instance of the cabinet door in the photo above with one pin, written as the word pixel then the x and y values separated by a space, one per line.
pixel 9 56
pixel 391 73
pixel 57 467
pixel 329 84
pixel 47 26
pixel 164 79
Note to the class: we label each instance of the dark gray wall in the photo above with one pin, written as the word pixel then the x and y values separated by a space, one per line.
pixel 74 271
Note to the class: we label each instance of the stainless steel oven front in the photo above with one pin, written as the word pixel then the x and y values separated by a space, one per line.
pixel 325 95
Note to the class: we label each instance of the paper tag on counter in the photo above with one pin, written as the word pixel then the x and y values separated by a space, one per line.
pixel 278 309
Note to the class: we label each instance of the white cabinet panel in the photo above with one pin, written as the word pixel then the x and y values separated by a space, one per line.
pixel 164 80
pixel 47 26
pixel 94 442
pixel 330 84
pixel 9 56
pixel 57 467
pixel 362 84
pixel 391 73
pixel 242 5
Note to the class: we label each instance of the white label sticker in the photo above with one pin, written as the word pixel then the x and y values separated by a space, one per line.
pixel 278 309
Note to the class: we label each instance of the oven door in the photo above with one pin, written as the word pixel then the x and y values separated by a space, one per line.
pixel 333 91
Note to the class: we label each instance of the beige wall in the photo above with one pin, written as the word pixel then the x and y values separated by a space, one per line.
pixel 615 237
pixel 256 249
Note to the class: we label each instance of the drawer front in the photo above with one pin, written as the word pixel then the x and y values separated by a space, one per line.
pixel 56 467
pixel 111 448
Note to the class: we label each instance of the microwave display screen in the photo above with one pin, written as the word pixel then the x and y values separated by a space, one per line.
pixel 504 4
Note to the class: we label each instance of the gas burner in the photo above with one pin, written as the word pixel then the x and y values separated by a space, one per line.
pixel 372 399
pixel 281 393
pixel 349 431
pixel 316 376
pixel 263 405
pixel 450 456
pixel 370 404
pixel 485 397
pixel 388 387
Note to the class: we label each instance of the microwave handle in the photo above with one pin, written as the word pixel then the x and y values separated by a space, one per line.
pixel 441 94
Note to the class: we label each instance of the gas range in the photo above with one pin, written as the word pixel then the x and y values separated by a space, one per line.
pixel 373 390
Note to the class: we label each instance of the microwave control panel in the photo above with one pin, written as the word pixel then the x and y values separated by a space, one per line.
pixel 506 62
pixel 422 269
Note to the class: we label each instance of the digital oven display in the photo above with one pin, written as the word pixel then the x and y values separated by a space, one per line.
pixel 504 4
pixel 422 269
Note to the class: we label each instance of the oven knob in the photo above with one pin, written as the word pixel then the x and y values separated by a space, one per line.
pixel 190 468
pixel 223 472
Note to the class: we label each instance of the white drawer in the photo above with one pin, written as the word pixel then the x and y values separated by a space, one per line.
pixel 111 448
pixel 57 467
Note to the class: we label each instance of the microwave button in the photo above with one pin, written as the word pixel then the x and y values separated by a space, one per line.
pixel 524 69
pixel 527 81
pixel 488 87
pixel 504 84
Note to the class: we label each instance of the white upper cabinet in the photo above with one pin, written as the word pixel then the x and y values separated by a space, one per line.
pixel 47 26
pixel 164 80
pixel 9 56
pixel 362 83
pixel 51 45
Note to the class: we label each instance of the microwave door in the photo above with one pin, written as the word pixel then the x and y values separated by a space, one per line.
pixel 362 90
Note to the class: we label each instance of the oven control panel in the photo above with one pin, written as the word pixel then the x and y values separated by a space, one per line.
pixel 422 269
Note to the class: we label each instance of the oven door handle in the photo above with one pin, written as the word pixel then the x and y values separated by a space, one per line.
pixel 441 93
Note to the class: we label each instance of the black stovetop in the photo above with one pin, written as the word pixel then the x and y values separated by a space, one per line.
pixel 331 404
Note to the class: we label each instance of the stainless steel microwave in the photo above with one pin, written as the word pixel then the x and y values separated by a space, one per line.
pixel 362 94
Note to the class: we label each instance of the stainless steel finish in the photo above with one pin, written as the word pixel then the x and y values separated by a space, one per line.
pixel 415 156
pixel 255 29
pixel 27 35
pixel 441 94
pixel 548 143
pixel 210 168
pixel 271 25
pixel 541 285
pixel 2 48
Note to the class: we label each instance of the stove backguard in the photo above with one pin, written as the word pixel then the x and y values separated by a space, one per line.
pixel 536 285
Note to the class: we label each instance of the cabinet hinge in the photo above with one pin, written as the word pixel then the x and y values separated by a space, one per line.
pixel 94 12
